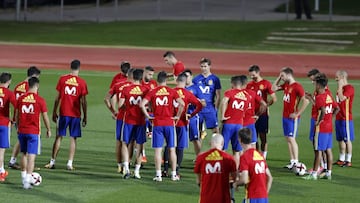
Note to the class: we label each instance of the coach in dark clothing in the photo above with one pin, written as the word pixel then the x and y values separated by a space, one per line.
pixel 299 6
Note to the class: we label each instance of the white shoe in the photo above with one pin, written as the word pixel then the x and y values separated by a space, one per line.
pixel 137 176
pixel 175 178
pixel 157 178
pixel 27 185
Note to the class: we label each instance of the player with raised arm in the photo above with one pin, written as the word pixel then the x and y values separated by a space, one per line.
pixel 71 98
pixel 29 107
pixel 134 121
pixel 20 89
pixel 161 100
pixel 294 94
pixel 262 87
pixel 214 168
pixel 344 120
pixel 233 107
pixel 254 172
pixel 322 139
pixel 210 87
pixel 7 97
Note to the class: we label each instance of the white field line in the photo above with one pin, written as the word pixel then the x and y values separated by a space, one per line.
pixel 307 28
pixel 324 41
pixel 315 33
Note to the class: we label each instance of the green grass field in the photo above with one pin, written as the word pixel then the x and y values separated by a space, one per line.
pixel 96 180
pixel 229 35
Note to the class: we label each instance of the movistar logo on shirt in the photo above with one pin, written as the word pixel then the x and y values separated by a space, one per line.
pixel 214 156
pixel 257 156
pixel 72 81
pixel 136 91
pixel 21 88
pixel 29 99
pixel 162 91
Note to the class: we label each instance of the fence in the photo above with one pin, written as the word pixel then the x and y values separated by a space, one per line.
pixel 156 10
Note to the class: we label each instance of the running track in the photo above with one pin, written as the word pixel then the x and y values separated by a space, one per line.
pixel 223 62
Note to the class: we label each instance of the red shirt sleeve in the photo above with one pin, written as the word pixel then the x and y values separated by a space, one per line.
pixel 178 68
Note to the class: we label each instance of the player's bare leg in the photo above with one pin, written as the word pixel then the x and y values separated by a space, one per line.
pixel 3 173
pixel 72 150
pixel 173 162
pixel 329 157
pixel 55 151
pixel 125 158
pixel 342 151
pixel 157 159
pixel 12 163
pixel 197 146
pixel 139 148
pixel 263 145
pixel 348 154
pixel 118 155
pixel 293 151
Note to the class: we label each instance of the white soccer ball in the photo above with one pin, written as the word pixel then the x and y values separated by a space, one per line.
pixel 36 179
pixel 299 169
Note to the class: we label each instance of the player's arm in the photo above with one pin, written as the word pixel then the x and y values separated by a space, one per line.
pixel 181 107
pixel 310 97
pixel 272 100
pixel 109 104
pixel 262 108
pixel 143 104
pixel 47 123
pixel 336 110
pixel 198 179
pixel 276 85
pixel 56 105
pixel 243 178
pixel 217 98
pixel 304 103
pixel 223 107
pixel 321 116
pixel 198 106
pixel 269 180
pixel 84 109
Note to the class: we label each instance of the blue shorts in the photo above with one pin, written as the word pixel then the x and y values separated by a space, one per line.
pixel 262 124
pixel 182 137
pixel 194 128
pixel 29 143
pixel 253 132
pixel 163 132
pixel 290 127
pixel 344 130
pixel 119 126
pixel 312 129
pixel 230 132
pixel 322 141
pixel 133 132
pixel 73 123
pixel 210 118
pixel 256 200
pixel 5 137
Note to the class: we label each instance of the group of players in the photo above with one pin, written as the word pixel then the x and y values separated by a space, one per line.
pixel 142 106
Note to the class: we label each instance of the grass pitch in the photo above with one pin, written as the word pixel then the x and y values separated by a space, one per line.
pixel 95 178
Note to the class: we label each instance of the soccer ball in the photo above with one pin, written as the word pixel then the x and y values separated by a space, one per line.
pixel 36 179
pixel 299 169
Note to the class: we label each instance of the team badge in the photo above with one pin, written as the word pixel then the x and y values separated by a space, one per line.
pixel 152 86
pixel 261 87
pixel 210 82
pixel 290 90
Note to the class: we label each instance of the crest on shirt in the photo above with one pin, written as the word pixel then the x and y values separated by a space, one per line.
pixel 210 82
pixel 152 86
pixel 261 87
pixel 290 90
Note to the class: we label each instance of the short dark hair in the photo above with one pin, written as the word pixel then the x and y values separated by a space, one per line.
pixel 313 72
pixel 124 67
pixel 149 68
pixel 137 74
pixel 287 70
pixel 161 77
pixel 130 71
pixel 239 80
pixel 169 54
pixel 33 81
pixel 5 77
pixel 321 81
pixel 205 60
pixel 181 77
pixel 187 71
pixel 33 70
pixel 75 65
pixel 255 68
pixel 245 135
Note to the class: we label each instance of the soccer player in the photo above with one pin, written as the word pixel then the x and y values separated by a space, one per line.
pixel 322 139
pixel 233 107
pixel 262 87
pixel 161 99
pixel 254 172
pixel 134 121
pixel 210 87
pixel 178 66
pixel 214 169
pixel 344 120
pixel 7 97
pixel 194 122
pixel 182 125
pixel 29 107
pixel 111 101
pixel 19 90
pixel 120 77
pixel 71 97
pixel 293 94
